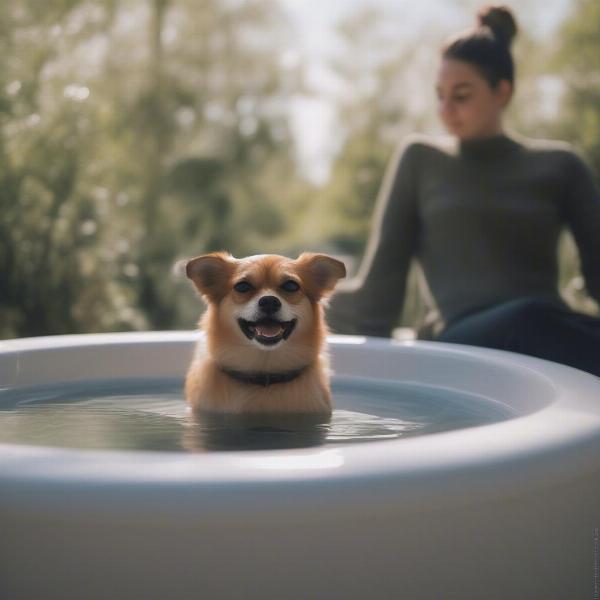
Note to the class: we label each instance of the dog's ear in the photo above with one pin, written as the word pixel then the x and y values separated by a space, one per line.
pixel 320 273
pixel 210 274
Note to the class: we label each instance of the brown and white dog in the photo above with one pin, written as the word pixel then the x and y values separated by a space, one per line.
pixel 265 346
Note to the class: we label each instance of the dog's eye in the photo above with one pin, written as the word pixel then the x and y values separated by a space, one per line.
pixel 290 286
pixel 242 287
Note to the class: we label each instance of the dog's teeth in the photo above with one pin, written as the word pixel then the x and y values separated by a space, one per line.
pixel 269 330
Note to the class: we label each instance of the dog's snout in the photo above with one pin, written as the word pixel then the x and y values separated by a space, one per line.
pixel 269 304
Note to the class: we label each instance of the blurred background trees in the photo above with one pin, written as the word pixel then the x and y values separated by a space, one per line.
pixel 136 134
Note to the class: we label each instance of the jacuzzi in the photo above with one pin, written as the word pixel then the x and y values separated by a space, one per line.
pixel 507 510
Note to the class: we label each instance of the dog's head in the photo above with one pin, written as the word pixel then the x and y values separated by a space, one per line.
pixel 265 301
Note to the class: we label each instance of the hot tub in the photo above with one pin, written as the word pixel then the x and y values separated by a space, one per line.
pixel 506 509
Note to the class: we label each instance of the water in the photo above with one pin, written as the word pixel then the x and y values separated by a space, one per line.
pixel 152 415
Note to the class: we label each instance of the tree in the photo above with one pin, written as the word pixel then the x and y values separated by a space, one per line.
pixel 577 60
pixel 380 66
pixel 119 101
pixel 51 277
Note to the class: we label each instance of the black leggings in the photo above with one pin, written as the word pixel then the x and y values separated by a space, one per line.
pixel 541 328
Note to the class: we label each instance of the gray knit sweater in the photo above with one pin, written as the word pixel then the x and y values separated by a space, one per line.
pixel 483 219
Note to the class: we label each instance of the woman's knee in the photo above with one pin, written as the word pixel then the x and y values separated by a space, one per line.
pixel 503 325
pixel 528 312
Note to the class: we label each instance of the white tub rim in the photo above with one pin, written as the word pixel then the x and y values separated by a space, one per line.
pixel 551 443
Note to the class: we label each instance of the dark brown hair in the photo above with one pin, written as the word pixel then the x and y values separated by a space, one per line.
pixel 487 45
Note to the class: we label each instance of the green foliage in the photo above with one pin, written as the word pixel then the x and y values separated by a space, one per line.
pixel 131 135
pixel 577 60
pixel 350 195
pixel 372 66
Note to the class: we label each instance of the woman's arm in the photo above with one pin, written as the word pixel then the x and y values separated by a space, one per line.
pixel 582 210
pixel 370 303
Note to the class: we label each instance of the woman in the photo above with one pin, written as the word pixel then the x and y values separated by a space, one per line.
pixel 482 211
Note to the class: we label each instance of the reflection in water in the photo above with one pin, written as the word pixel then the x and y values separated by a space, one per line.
pixel 152 415
pixel 205 432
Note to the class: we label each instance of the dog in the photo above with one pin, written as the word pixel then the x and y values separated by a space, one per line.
pixel 265 334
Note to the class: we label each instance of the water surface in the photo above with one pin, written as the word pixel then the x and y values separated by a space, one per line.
pixel 152 415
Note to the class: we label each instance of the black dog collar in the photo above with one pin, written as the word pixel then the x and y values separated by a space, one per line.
pixel 263 378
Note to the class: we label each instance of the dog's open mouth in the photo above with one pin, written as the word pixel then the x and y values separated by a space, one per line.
pixel 267 331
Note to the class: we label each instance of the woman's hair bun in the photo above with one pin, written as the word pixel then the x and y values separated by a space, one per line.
pixel 500 20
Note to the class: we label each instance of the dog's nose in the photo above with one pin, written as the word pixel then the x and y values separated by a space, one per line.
pixel 269 304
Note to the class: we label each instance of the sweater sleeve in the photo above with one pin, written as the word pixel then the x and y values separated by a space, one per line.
pixel 371 302
pixel 582 211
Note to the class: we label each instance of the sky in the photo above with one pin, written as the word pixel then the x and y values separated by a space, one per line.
pixel 313 118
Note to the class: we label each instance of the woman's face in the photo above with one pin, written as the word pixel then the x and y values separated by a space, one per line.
pixel 467 104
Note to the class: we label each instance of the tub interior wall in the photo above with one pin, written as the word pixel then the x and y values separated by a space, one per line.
pixel 522 390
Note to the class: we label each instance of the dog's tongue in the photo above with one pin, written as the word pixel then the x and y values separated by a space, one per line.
pixel 268 329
